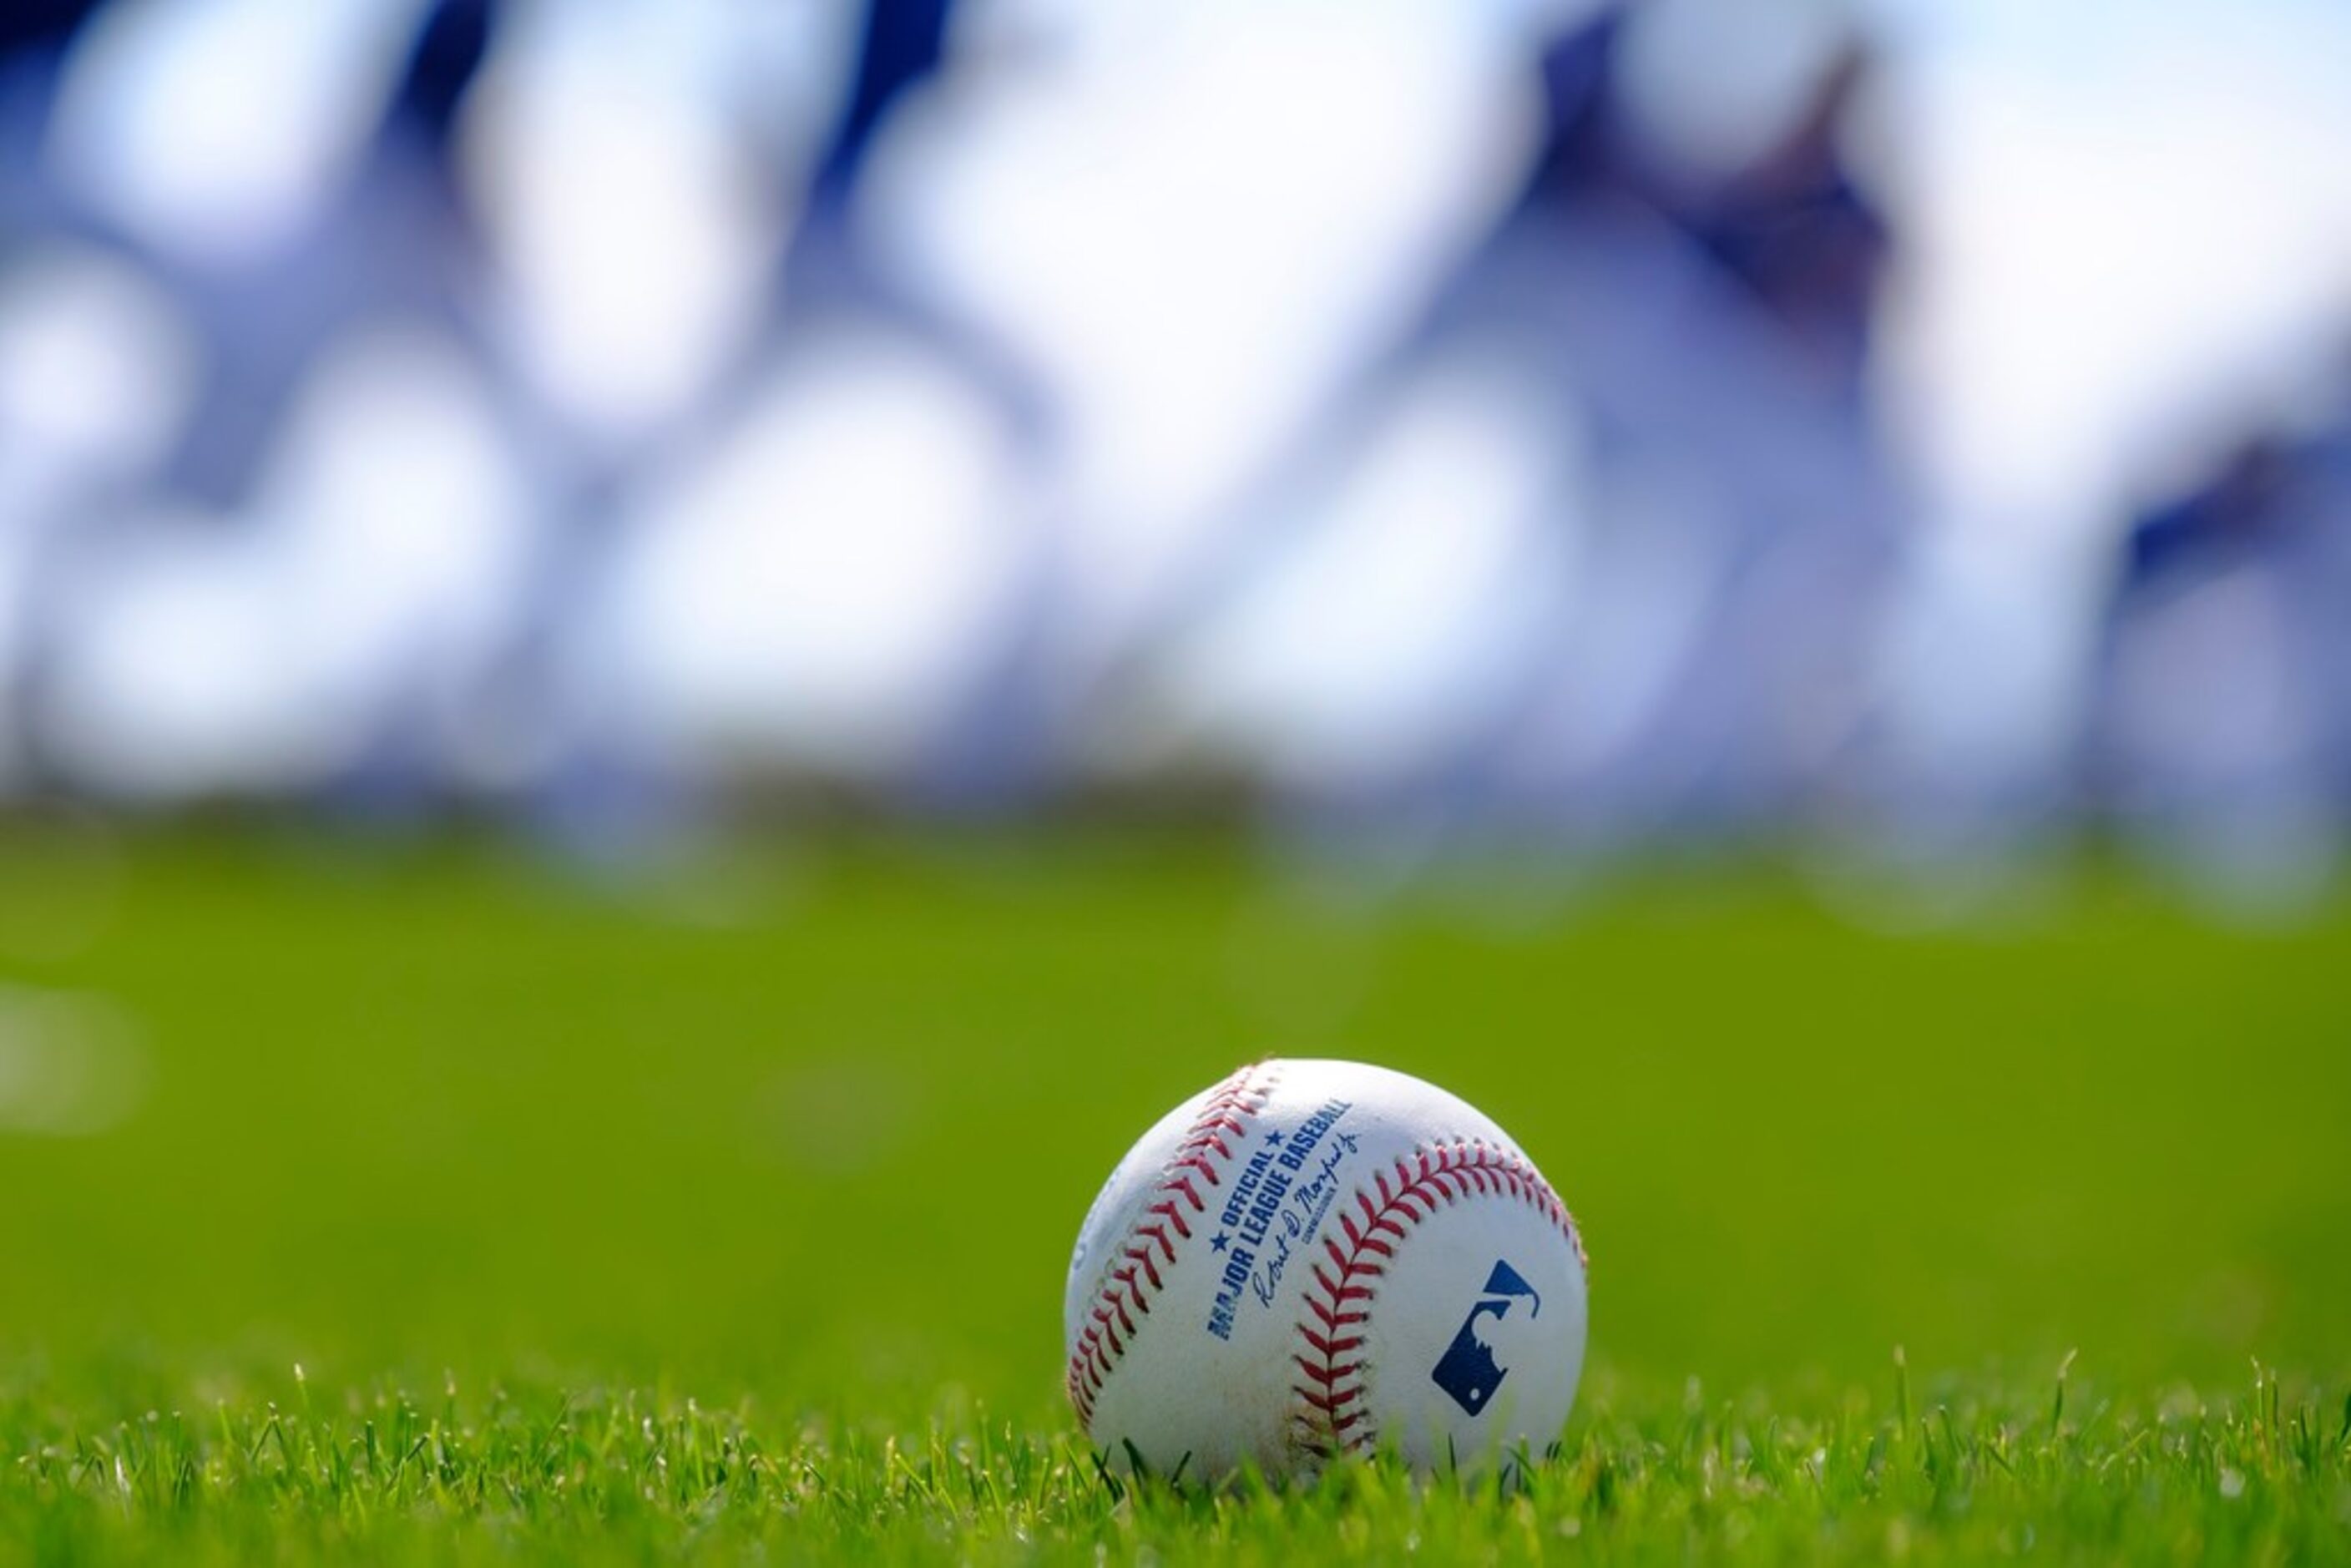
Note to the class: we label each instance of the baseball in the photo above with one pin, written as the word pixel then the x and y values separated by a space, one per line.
pixel 1318 1258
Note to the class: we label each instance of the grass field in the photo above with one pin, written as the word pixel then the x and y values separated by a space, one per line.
pixel 733 1216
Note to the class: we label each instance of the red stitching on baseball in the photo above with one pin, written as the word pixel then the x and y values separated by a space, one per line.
pixel 1331 1320
pixel 1226 1110
pixel 1446 1173
pixel 1149 1264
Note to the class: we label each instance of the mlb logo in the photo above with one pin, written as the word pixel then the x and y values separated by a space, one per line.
pixel 1467 1372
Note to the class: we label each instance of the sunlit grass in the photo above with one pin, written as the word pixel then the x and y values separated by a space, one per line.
pixel 1977 1471
pixel 732 1221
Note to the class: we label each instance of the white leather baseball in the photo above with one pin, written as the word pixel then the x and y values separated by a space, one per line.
pixel 1316 1258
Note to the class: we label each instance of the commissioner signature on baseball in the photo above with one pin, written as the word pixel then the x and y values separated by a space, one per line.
pixel 1301 1219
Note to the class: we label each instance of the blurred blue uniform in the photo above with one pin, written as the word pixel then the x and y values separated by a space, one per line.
pixel 2221 739
pixel 1733 521
pixel 1743 518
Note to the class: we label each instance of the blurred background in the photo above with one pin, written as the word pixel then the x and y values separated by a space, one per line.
pixel 632 634
pixel 1925 428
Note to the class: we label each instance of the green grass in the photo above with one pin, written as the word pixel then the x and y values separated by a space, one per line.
pixel 602 1476
pixel 733 1216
